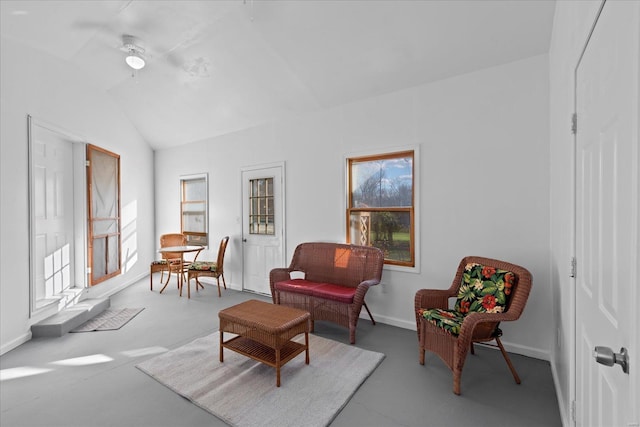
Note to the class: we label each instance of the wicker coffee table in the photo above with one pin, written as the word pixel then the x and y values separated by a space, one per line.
pixel 264 332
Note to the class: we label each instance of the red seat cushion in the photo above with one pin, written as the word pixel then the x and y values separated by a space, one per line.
pixel 299 286
pixel 338 293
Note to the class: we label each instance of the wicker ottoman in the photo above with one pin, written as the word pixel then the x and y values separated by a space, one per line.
pixel 264 332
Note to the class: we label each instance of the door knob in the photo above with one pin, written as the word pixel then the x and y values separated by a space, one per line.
pixel 606 356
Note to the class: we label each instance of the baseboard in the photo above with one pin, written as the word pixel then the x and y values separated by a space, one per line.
pixel 207 281
pixel 15 343
pixel 563 406
pixel 234 287
pixel 523 350
pixel 110 289
pixel 392 321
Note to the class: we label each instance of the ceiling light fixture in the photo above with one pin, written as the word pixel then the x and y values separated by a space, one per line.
pixel 135 60
pixel 135 53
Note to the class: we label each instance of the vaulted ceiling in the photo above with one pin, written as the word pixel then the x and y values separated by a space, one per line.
pixel 215 67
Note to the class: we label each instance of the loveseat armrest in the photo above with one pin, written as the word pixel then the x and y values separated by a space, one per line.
pixel 369 283
pixel 278 275
pixel 361 290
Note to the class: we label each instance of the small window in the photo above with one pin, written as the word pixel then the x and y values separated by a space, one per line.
pixel 380 206
pixel 193 209
pixel 261 209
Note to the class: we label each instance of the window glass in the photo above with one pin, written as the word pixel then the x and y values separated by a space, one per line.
pixel 380 209
pixel 261 208
pixel 193 209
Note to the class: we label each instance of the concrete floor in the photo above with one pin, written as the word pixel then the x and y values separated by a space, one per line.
pixel 90 379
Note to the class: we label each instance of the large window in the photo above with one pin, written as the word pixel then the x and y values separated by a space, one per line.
pixel 193 209
pixel 380 206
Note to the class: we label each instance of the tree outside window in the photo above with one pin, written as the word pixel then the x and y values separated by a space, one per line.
pixel 380 209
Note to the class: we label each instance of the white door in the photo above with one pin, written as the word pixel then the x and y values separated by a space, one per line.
pixel 52 210
pixel 607 297
pixel 262 225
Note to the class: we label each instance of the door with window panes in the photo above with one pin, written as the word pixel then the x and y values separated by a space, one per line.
pixel 262 225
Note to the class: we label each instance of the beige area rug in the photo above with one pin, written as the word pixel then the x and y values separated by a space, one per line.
pixel 243 392
pixel 109 320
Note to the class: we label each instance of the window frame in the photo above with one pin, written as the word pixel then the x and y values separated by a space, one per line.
pixel 195 237
pixel 390 264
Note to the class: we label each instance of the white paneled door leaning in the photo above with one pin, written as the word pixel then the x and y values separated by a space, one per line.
pixel 53 215
pixel 607 81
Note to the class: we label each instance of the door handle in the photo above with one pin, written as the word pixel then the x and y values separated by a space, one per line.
pixel 606 356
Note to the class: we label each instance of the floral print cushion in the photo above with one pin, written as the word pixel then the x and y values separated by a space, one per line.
pixel 159 262
pixel 483 289
pixel 203 266
pixel 449 320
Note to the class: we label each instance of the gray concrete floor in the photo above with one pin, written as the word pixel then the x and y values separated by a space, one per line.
pixel 90 379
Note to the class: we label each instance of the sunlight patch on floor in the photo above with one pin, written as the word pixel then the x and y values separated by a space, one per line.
pixel 144 351
pixel 21 372
pixel 84 360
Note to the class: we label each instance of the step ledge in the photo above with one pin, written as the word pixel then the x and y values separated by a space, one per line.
pixel 70 318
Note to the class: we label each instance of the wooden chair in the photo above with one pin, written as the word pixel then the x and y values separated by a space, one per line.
pixel 162 265
pixel 487 292
pixel 209 269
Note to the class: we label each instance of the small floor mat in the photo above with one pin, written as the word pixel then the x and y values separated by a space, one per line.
pixel 109 320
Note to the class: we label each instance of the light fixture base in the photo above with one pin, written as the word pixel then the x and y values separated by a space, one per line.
pixel 135 53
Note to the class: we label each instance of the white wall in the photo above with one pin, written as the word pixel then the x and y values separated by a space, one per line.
pixel 33 83
pixel 572 23
pixel 483 189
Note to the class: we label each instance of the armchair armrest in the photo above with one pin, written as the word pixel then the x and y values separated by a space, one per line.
pixel 431 298
pixel 473 320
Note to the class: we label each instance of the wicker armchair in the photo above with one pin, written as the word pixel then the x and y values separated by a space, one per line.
pixel 487 292
pixel 209 269
pixel 162 265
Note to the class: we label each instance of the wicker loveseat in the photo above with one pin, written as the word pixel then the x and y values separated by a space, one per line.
pixel 336 278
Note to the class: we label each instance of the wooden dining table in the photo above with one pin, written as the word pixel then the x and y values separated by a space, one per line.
pixel 181 250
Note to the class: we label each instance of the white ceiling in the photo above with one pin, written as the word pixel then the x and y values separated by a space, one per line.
pixel 220 66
